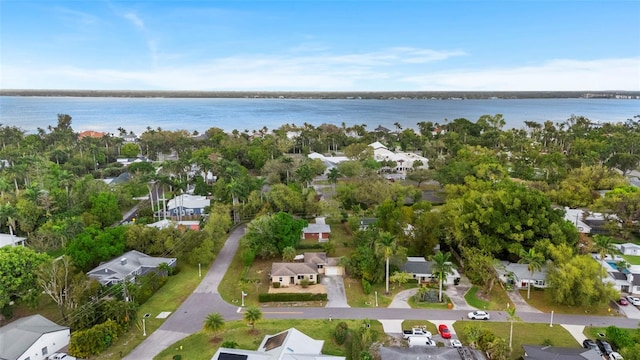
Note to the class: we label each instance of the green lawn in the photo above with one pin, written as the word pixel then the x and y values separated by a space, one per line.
pixel 357 298
pixel 633 260
pixel 200 346
pixel 168 298
pixel 497 299
pixel 523 333
pixel 539 301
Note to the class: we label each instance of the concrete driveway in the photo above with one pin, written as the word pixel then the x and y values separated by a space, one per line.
pixel 336 295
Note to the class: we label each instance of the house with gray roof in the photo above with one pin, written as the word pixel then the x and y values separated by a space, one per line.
pixel 319 231
pixel 290 344
pixel 542 352
pixel 187 204
pixel 422 270
pixel 32 338
pixel 127 267
pixel 519 276
pixel 629 249
pixel 11 240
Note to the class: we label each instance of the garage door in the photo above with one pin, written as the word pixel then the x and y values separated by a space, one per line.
pixel 333 270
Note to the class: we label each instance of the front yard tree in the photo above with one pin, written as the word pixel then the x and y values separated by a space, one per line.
pixel 213 324
pixel 578 282
pixel 442 266
pixel 387 247
pixel 59 280
pixel 17 274
pixel 253 314
pixel 268 235
pixel 534 262
pixel 288 254
pixel 604 246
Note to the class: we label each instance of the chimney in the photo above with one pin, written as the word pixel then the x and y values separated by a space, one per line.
pixel 123 261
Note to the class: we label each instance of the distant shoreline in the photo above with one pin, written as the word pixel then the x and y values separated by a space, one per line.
pixel 378 95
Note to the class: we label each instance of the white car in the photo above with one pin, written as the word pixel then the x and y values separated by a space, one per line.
pixel 456 343
pixel 61 356
pixel 615 356
pixel 633 300
pixel 479 315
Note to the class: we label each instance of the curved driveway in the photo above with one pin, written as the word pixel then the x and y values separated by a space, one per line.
pixel 188 318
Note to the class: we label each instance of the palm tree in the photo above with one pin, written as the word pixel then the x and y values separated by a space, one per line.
pixel 441 267
pixel 333 175
pixel 534 263
pixel 511 316
pixel 386 246
pixel 213 323
pixel 253 314
pixel 604 246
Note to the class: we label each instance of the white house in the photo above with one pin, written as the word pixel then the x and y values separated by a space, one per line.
pixel 629 249
pixel 520 276
pixel 575 217
pixel 127 267
pixel 623 280
pixel 187 204
pixel 422 270
pixel 404 160
pixel 32 338
pixel 11 240
pixel 290 344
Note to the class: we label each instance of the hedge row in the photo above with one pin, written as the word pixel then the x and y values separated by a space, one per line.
pixel 309 246
pixel 291 297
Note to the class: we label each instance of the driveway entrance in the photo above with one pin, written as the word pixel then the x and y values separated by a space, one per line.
pixel 336 295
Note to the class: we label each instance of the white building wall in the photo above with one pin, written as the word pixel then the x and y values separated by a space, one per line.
pixel 52 341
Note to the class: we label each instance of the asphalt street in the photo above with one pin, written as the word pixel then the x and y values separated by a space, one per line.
pixel 188 318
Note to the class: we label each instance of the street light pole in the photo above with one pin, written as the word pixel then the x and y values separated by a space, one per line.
pixel 144 327
pixel 199 270
pixel 243 295
pixel 376 299
pixel 551 322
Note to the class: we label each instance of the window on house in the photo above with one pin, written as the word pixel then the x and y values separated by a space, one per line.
pixel 300 277
pixel 280 279
pixel 45 351
pixel 320 266
pixel 310 277
pixel 540 282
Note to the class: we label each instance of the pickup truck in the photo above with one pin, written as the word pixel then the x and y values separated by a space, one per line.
pixel 415 332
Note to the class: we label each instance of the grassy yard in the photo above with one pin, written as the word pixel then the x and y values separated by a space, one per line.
pixel 523 333
pixel 168 298
pixel 201 346
pixel 539 301
pixel 497 299
pixel 357 298
pixel 633 260
pixel 444 305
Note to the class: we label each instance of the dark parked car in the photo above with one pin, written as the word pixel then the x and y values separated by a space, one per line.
pixel 604 346
pixel 590 344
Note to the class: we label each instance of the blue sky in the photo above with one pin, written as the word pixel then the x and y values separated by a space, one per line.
pixel 320 45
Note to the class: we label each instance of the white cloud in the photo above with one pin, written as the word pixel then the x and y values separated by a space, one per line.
pixel 558 75
pixel 135 20
pixel 374 71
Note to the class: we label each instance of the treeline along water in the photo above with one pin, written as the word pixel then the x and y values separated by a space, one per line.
pixel 136 114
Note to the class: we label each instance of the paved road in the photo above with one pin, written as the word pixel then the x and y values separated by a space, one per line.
pixel 188 318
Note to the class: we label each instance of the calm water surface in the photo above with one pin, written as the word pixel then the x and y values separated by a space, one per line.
pixel 136 114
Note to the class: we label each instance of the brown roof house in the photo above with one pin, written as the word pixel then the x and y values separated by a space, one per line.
pixel 292 273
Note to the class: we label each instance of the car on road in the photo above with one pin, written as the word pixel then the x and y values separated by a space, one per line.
pixel 61 356
pixel 456 343
pixel 604 346
pixel 479 315
pixel 633 300
pixel 444 331
pixel 590 344
pixel 623 302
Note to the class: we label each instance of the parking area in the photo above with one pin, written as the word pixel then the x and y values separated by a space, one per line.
pixel 336 295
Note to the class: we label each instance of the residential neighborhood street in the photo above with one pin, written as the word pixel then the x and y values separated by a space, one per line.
pixel 205 299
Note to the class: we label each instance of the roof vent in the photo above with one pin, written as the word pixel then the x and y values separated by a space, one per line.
pixel 123 261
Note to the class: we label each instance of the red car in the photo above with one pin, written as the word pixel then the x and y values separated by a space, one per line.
pixel 444 331
pixel 623 302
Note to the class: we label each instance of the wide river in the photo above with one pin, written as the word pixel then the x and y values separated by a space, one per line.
pixel 136 114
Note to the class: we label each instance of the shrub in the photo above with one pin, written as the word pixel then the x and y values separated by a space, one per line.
pixel 341 333
pixel 276 285
pixel 304 283
pixel 177 357
pixel 229 344
pixel 366 287
pixel 85 343
pixel 427 295
pixel 266 297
